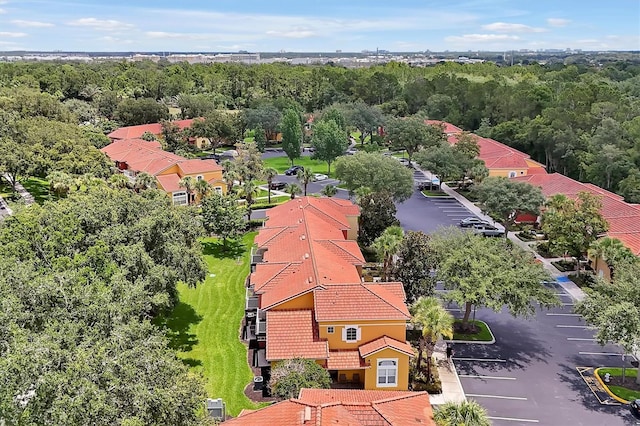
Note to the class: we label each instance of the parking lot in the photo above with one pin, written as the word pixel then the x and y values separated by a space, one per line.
pixel 531 375
pixel 427 214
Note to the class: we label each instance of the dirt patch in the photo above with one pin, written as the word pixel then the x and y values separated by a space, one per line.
pixel 629 383
pixel 470 328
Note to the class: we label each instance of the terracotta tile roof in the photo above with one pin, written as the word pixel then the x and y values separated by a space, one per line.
pixel 292 334
pixel 170 183
pixel 333 269
pixel 131 132
pixel 448 128
pixel 339 407
pixel 345 360
pixel 347 250
pixel 391 291
pixel 374 302
pixel 279 284
pixel 195 165
pixel 382 343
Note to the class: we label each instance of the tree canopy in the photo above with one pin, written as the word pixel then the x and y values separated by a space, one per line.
pixel 81 279
pixel 329 141
pixel 289 376
pixel 377 172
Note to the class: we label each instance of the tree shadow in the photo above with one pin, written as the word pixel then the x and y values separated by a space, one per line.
pixel 233 249
pixel 176 326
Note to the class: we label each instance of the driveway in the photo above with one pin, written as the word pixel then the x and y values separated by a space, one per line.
pixel 427 214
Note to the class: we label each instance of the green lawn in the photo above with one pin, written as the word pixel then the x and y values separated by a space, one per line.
pixel 483 336
pixel 622 392
pixel 39 188
pixel 205 326
pixel 429 193
pixel 282 163
pixel 275 199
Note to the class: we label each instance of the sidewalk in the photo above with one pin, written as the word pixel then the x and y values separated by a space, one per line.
pixel 26 196
pixel 451 387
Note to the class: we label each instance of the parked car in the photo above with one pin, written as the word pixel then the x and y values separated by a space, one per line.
pixel 470 221
pixel 293 170
pixel 487 230
pixel 635 407
pixel 351 151
pixel 278 186
pixel 319 176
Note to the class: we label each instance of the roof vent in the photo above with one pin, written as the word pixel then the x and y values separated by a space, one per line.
pixel 306 255
pixel 303 237
pixel 310 279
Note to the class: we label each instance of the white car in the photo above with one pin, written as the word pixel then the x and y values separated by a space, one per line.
pixel 319 176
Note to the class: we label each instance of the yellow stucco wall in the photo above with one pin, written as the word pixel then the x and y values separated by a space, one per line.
pixel 371 374
pixel 505 172
pixel 348 376
pixel 169 171
pixel 302 302
pixel 352 233
pixel 369 330
pixel 600 268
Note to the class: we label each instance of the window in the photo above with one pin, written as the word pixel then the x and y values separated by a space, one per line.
pixel 330 330
pixel 199 177
pixel 218 189
pixel 387 372
pixel 351 333
pixel 180 198
pixel 512 174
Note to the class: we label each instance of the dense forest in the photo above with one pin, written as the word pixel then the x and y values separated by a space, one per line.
pixel 579 120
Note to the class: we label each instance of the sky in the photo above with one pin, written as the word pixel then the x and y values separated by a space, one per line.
pixel 318 26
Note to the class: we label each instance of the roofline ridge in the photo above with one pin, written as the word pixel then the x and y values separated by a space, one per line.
pixel 385 301
pixel 264 308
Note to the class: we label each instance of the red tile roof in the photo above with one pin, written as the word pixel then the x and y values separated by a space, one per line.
pixel 383 343
pixel 373 302
pixel 345 360
pixel 132 132
pixel 194 166
pixel 324 407
pixel 170 183
pixel 292 334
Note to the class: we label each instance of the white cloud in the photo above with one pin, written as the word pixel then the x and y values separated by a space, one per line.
pixel 479 38
pixel 31 24
pixel 180 36
pixel 100 24
pixel 12 34
pixel 558 22
pixel 2 11
pixel 504 27
pixel 110 39
pixel 294 33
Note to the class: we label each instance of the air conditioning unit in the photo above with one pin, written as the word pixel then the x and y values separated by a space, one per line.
pixel 217 409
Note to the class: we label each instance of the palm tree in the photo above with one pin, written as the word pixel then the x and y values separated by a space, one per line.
pixel 293 189
pixel 250 191
pixel 386 245
pixel 269 174
pixel 60 183
pixel 329 190
pixel 189 184
pixel 119 181
pixel 202 188
pixel 304 177
pixel 467 413
pixel 230 174
pixel 144 181
pixel 612 252
pixel 429 315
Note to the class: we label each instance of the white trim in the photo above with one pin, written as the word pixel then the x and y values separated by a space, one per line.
pixel 387 370
pixel 351 327
pixel 218 189
pixel 180 195
pixel 199 177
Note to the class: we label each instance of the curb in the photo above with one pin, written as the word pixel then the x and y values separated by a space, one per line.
pixel 606 388
pixel 477 342
pixel 444 197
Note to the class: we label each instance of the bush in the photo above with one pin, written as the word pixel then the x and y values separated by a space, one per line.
pixel 420 382
pixel 289 376
pixel 565 265
pixel 254 224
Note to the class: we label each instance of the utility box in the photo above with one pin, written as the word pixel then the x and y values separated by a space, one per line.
pixel 217 409
pixel 258 383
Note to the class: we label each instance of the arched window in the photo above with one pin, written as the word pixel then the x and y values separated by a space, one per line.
pixel 387 372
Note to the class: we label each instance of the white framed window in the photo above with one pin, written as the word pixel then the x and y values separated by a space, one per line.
pixel 330 329
pixel 199 177
pixel 180 198
pixel 218 189
pixel 512 174
pixel 351 333
pixel 387 372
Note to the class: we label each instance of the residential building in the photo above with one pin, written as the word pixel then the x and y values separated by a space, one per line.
pixel 136 132
pixel 343 407
pixel 134 156
pixel 306 298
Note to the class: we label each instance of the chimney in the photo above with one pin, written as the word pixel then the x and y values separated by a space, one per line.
pixel 307 414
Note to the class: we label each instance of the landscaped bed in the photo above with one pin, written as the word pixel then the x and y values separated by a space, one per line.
pixel 429 193
pixel 475 331
pixel 629 390
pixel 283 163
pixel 204 327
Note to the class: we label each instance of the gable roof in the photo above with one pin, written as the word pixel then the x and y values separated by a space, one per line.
pixel 293 334
pixel 385 342
pixel 345 360
pixel 374 301
pixel 131 132
pixel 195 165
pixel 324 407
pixel 170 183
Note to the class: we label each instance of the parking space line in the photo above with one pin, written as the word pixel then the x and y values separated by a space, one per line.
pixel 588 327
pixel 471 376
pixel 516 398
pixel 567 304
pixel 562 315
pixel 600 353
pixel 480 359
pixel 511 419
pixel 581 339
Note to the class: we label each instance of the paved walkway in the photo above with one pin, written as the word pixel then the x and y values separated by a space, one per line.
pixel 451 387
pixel 26 196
